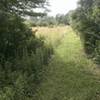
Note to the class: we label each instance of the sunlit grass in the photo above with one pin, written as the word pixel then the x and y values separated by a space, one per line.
pixel 69 75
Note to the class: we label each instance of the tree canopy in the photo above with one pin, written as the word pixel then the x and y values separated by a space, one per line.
pixel 22 7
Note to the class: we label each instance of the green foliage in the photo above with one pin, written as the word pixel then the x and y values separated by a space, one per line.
pixel 22 76
pixel 43 21
pixel 62 19
pixel 85 20
pixel 23 56
pixel 49 20
pixel 22 7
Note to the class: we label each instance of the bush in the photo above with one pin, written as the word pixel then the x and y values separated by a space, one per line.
pixel 85 20
pixel 23 58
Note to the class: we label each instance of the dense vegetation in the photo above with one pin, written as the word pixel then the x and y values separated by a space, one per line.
pixel 48 63
pixel 86 21
pixel 23 56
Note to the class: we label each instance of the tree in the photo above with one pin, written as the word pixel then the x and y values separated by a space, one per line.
pixel 22 7
pixel 22 54
pixel 85 20
pixel 13 32
pixel 62 19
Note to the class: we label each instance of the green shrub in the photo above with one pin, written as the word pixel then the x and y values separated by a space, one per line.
pixel 85 20
pixel 23 58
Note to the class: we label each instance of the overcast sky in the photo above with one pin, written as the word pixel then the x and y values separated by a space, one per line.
pixel 61 6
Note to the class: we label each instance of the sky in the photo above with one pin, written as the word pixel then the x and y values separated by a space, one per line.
pixel 61 6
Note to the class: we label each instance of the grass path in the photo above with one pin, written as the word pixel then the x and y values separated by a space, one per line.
pixel 70 75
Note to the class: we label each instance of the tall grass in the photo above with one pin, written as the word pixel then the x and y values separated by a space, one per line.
pixel 69 75
pixel 52 35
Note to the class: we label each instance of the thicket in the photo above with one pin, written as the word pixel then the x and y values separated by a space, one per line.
pixel 23 56
pixel 86 21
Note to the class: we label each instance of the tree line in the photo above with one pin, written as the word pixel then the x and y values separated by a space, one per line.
pixel 59 19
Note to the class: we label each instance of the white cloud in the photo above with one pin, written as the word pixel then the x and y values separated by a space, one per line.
pixel 62 6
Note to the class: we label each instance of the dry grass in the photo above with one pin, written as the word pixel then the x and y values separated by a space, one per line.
pixel 53 35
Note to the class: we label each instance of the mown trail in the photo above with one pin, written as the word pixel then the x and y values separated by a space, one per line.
pixel 70 75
